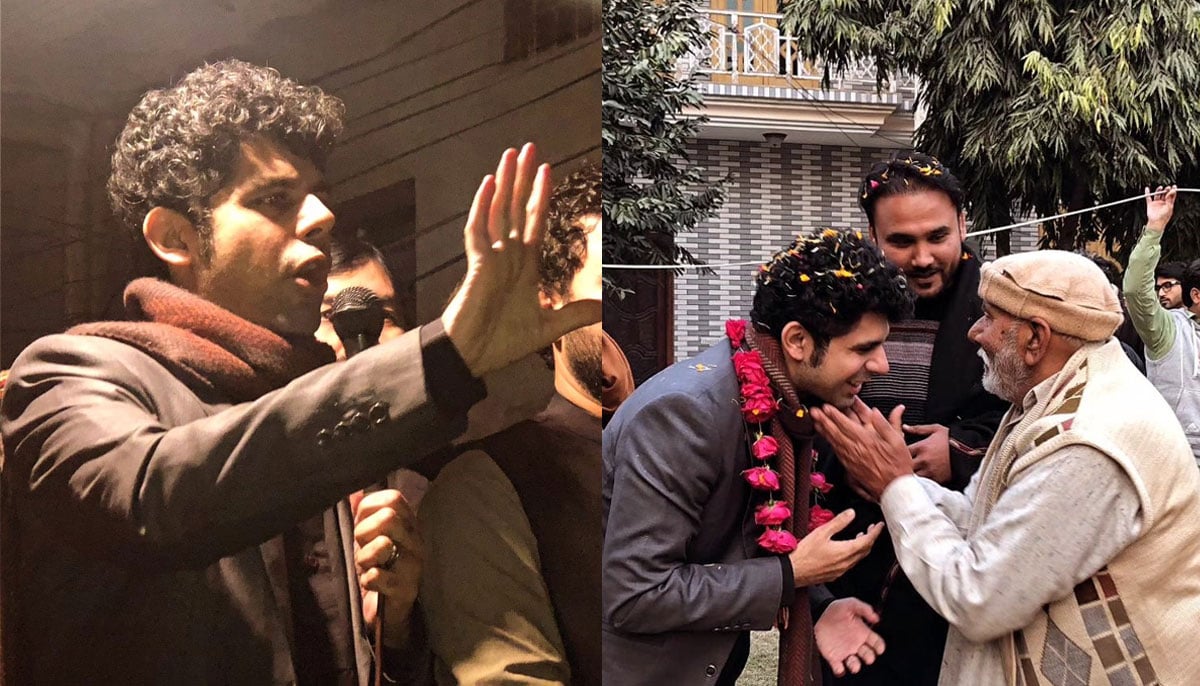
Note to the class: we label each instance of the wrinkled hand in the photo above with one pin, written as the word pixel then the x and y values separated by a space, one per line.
pixel 931 455
pixel 1160 207
pixel 818 558
pixel 871 448
pixel 496 318
pixel 381 519
pixel 844 636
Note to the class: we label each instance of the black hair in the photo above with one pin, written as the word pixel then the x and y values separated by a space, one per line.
pixel 905 173
pixel 1111 271
pixel 1190 280
pixel 564 248
pixel 1170 270
pixel 826 281
pixel 180 145
pixel 348 251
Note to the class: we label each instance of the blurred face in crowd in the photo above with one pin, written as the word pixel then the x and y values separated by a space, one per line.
pixel 921 233
pixel 369 274
pixel 583 348
pixel 837 373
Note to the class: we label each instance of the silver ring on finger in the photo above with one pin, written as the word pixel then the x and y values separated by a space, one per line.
pixel 391 560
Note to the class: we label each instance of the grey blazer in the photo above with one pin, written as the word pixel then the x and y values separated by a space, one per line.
pixel 147 509
pixel 680 576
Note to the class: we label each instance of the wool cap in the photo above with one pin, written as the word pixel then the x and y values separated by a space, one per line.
pixel 1064 288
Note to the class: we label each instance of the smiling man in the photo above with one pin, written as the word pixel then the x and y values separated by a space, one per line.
pixel 176 482
pixel 687 573
pixel 914 208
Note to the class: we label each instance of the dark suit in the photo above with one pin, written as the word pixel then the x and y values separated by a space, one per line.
pixel 681 581
pixel 149 511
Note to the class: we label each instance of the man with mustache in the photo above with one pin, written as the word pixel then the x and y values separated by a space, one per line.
pixel 688 569
pixel 177 482
pixel 522 606
pixel 1168 280
pixel 1171 336
pixel 1073 555
pixel 914 207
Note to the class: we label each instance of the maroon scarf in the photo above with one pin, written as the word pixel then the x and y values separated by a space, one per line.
pixel 206 344
pixel 799 663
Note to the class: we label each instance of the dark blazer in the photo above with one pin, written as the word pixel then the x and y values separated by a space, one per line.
pixel 681 580
pixel 148 511
pixel 914 633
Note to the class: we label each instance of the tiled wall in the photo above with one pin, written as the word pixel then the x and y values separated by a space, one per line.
pixel 776 193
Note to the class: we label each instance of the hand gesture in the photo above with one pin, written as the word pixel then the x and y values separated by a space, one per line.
pixel 1159 207
pixel 496 318
pixel 388 559
pixel 931 455
pixel 844 636
pixel 818 558
pixel 871 448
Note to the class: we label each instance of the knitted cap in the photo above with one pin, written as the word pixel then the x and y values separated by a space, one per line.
pixel 1065 289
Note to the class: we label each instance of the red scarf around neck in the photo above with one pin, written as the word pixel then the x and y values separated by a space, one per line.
pixel 798 659
pixel 206 344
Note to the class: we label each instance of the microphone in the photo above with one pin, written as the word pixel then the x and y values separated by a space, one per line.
pixel 357 317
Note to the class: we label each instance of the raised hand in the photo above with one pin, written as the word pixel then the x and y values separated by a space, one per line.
pixel 496 318
pixel 844 636
pixel 1159 207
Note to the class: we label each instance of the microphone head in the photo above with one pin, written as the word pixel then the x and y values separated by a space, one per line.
pixel 357 317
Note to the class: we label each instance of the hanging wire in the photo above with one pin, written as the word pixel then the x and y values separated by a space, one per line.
pixel 970 234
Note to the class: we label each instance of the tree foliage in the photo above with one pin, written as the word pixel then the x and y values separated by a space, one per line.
pixel 1039 106
pixel 651 190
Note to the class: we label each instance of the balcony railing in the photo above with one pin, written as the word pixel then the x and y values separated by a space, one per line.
pixel 751 44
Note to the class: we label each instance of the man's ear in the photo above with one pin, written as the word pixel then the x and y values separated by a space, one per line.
pixel 797 342
pixel 962 225
pixel 1038 344
pixel 172 238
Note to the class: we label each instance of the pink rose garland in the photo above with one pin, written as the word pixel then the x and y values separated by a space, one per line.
pixel 758 406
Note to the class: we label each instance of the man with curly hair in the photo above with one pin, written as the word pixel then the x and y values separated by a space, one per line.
pixel 914 209
pixel 178 480
pixel 684 577
pixel 523 607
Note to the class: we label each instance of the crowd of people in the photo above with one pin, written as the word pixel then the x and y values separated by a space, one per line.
pixel 1037 487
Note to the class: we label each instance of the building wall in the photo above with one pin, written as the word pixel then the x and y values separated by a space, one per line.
pixel 775 193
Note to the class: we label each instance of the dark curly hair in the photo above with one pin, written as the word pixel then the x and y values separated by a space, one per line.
pixel 565 246
pixel 826 281
pixel 180 144
pixel 904 173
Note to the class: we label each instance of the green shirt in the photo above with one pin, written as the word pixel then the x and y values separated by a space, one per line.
pixel 1151 320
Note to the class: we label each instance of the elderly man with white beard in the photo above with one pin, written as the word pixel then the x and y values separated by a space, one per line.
pixel 1074 554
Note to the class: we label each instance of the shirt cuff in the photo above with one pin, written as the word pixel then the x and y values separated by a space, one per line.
pixel 789 582
pixel 448 380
